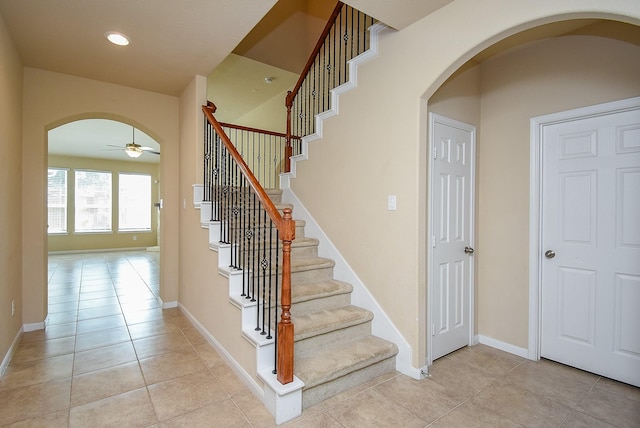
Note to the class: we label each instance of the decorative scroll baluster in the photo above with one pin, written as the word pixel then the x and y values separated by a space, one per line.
pixel 345 37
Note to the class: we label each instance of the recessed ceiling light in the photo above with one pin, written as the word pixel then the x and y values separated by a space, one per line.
pixel 117 38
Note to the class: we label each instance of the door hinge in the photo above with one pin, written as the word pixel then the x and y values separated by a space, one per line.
pixel 433 241
pixel 435 152
pixel 433 329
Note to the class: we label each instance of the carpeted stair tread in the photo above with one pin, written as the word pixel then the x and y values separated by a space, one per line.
pixel 320 289
pixel 328 320
pixel 342 359
pixel 310 263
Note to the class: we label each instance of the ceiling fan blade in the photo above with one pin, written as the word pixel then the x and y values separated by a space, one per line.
pixel 113 145
pixel 150 150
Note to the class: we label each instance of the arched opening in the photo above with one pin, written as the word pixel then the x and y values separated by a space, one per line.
pixel 544 68
pixel 103 188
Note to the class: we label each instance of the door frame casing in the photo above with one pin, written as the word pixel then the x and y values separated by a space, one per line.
pixel 537 126
pixel 433 118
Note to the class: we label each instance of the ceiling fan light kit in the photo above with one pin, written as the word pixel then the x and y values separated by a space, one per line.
pixel 133 150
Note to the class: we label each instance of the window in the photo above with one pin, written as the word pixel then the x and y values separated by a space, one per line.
pixel 57 200
pixel 93 201
pixel 134 202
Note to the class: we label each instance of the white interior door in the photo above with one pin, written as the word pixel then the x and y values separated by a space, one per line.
pixel 590 288
pixel 452 210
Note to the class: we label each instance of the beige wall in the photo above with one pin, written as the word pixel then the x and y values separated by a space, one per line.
pixel 52 99
pixel 377 147
pixel 271 115
pixel 94 241
pixel 203 292
pixel 10 190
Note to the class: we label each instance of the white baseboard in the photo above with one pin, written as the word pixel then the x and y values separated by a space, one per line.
pixel 168 305
pixel 245 377
pixel 503 346
pixel 34 326
pixel 7 358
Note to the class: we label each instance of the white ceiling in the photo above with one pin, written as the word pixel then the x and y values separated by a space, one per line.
pixel 171 41
pixel 93 138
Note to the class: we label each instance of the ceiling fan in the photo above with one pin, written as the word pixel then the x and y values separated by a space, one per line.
pixel 134 150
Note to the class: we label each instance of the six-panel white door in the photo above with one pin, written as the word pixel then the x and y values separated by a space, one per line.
pixel 591 244
pixel 452 183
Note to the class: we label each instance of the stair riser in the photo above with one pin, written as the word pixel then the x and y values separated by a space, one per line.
pixel 305 346
pixel 323 391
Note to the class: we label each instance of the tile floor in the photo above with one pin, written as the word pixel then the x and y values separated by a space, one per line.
pixel 111 357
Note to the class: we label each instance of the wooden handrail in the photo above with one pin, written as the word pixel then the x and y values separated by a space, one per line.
pixel 332 19
pixel 257 130
pixel 288 150
pixel 287 231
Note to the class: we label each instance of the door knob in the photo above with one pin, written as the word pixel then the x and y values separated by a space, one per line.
pixel 549 254
pixel 469 250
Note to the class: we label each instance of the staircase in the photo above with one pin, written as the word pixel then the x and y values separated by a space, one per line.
pixel 333 345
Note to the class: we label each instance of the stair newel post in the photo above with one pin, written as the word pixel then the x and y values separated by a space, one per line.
pixel 288 150
pixel 285 326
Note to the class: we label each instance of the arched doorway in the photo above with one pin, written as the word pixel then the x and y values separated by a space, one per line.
pixel 500 90
pixel 103 178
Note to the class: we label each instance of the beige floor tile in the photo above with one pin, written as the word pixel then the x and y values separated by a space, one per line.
pixel 229 380
pixel 259 417
pixel 140 305
pixel 34 401
pixel 225 414
pixel 102 311
pixel 424 398
pixel 469 415
pixel 619 388
pixel 151 328
pixel 383 378
pixel 64 298
pixel 34 372
pixel 613 408
pixel 105 383
pixel 553 381
pixel 62 318
pixel 55 308
pixel 169 366
pixel 254 410
pixel 184 394
pixel 492 361
pixel 193 335
pixel 580 420
pixel 458 377
pixel 318 420
pixel 130 409
pixel 173 341
pixel 101 323
pixel 371 409
pixel 40 350
pixel 102 358
pixel 209 355
pixel 52 420
pixel 97 303
pixel 101 338
pixel 55 331
pixel 521 406
pixel 143 316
